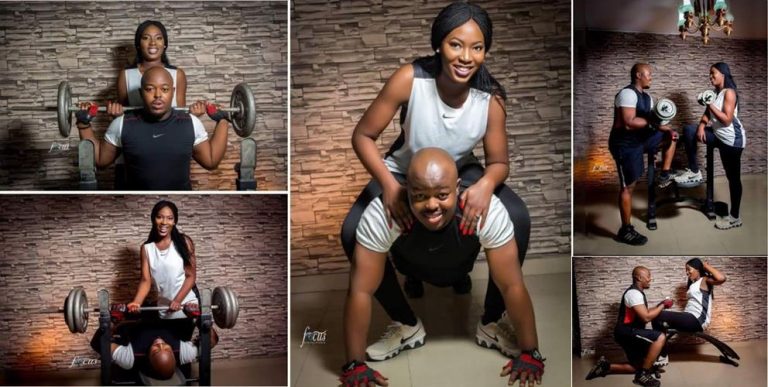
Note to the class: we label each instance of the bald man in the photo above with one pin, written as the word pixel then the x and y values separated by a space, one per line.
pixel 642 346
pixel 153 346
pixel 635 131
pixel 157 142
pixel 435 251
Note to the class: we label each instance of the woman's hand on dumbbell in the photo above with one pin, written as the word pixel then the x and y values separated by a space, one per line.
pixel 198 108
pixel 133 307
pixel 174 306
pixel 114 109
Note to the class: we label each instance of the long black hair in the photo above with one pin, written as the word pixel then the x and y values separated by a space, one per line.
pixel 450 18
pixel 698 265
pixel 728 82
pixel 137 41
pixel 179 239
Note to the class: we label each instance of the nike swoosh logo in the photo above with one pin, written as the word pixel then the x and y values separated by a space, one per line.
pixel 433 249
pixel 158 135
pixel 403 340
pixel 487 334
pixel 444 116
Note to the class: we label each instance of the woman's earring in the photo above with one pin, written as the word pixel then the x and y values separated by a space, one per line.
pixel 437 51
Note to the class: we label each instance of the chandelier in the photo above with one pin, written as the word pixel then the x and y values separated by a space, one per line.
pixel 702 16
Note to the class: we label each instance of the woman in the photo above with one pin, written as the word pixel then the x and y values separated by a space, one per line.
pixel 151 43
pixel 720 127
pixel 702 278
pixel 167 260
pixel 451 101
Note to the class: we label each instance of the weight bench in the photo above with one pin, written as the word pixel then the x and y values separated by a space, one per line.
pixel 204 324
pixel 706 205
pixel 728 355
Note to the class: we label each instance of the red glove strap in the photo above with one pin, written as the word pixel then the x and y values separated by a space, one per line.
pixel 211 109
pixel 93 110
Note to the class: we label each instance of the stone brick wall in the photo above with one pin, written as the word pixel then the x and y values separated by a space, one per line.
pixel 342 53
pixel 51 244
pixel 601 65
pixel 217 44
pixel 739 307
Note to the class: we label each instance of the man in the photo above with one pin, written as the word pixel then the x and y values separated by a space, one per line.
pixel 642 346
pixel 152 346
pixel 436 252
pixel 635 131
pixel 157 141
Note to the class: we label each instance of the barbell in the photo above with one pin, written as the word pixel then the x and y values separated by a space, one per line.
pixel 706 97
pixel 665 110
pixel 242 109
pixel 224 305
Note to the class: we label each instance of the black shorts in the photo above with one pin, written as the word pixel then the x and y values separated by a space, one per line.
pixel 629 159
pixel 635 343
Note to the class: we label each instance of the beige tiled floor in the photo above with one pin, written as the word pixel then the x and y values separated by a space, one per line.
pixel 237 372
pixel 450 356
pixel 691 366
pixel 682 228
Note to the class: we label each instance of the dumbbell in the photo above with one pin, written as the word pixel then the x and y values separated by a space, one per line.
pixel 242 109
pixel 665 110
pixel 224 304
pixel 706 97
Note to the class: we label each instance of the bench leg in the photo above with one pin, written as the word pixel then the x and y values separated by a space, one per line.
pixel 709 206
pixel 651 212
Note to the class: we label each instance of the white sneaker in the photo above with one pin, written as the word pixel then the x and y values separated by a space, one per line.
pixel 396 338
pixel 661 361
pixel 688 178
pixel 726 222
pixel 499 335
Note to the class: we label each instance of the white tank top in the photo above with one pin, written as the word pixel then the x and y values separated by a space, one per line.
pixel 429 122
pixel 734 134
pixel 699 303
pixel 133 86
pixel 167 269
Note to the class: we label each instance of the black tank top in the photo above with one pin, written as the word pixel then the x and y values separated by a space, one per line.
pixel 158 154
pixel 621 137
pixel 627 318
pixel 439 257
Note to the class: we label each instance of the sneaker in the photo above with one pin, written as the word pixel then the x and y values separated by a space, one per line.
pixel 661 361
pixel 726 222
pixel 646 379
pixel 688 178
pixel 413 287
pixel 600 369
pixel 628 235
pixel 664 180
pixel 499 334
pixel 396 338
pixel 463 286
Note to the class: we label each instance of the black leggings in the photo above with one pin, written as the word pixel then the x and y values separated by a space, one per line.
pixel 729 155
pixel 680 321
pixel 389 294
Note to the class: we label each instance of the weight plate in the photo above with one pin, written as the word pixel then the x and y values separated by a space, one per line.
pixel 76 311
pixel 225 315
pixel 64 101
pixel 665 109
pixel 244 120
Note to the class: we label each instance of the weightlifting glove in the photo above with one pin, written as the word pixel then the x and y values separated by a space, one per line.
pixel 117 312
pixel 667 303
pixel 84 116
pixel 192 310
pixel 358 374
pixel 216 114
pixel 527 363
